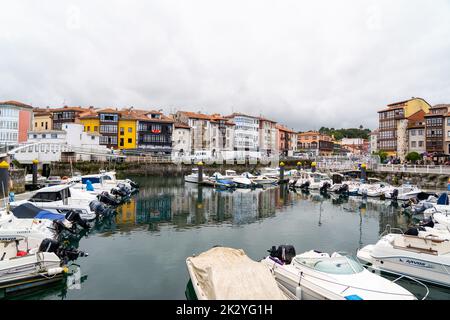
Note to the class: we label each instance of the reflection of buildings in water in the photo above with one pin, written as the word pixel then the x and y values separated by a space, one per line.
pixel 154 209
pixel 126 213
pixel 283 196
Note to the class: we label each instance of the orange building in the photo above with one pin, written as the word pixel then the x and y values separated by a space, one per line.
pixel 315 142
pixel 287 140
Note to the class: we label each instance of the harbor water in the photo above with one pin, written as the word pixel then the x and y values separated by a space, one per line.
pixel 140 254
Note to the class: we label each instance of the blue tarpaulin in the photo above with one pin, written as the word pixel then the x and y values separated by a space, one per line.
pixel 49 215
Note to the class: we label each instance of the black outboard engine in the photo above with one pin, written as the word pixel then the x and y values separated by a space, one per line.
pixel 108 199
pixel 133 184
pixel 325 187
pixel 74 217
pixel 117 191
pixel 427 223
pixel 51 245
pixel 394 194
pixel 99 208
pixel 284 253
pixel 343 189
pixel 305 185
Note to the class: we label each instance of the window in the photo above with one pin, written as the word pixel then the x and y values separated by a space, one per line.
pixel 413 132
pixel 130 140
pixel 108 129
pixel 121 142
pixel 88 128
pixel 92 138
pixel 54 135
pixel 35 124
pixel 420 144
pixel 109 117
pixel 44 135
pixel 130 130
pixel 413 144
pixel 35 136
pixel 122 131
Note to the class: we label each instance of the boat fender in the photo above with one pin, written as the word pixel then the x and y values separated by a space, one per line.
pixel 53 271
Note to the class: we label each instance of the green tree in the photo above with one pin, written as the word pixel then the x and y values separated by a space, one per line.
pixel 413 156
pixel 382 154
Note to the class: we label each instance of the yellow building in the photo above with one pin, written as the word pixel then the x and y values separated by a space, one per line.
pixel 127 133
pixel 126 127
pixel 42 120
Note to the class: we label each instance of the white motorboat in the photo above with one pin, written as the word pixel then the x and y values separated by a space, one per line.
pixel 193 177
pixel 23 265
pixel 226 273
pixel 31 228
pixel 424 256
pixel 260 180
pixel 61 199
pixel 40 179
pixel 240 180
pixel 373 188
pixel 269 172
pixel 403 193
pixel 316 275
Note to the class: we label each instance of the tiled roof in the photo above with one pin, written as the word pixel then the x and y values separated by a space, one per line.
pixel 108 110
pixel 181 125
pixel 90 114
pixel 16 103
pixel 67 108
pixel 237 114
pixel 265 119
pixel 284 128
pixel 195 115
pixel 419 115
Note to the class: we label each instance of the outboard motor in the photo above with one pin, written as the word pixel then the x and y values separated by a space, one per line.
pixel 51 245
pixel 284 253
pixel 108 199
pixel 74 217
pixel 118 192
pixel 394 194
pixel 305 185
pixel 132 183
pixel 325 187
pixel 99 208
pixel 427 223
pixel 343 189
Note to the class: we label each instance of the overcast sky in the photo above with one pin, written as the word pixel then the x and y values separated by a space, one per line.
pixel 303 63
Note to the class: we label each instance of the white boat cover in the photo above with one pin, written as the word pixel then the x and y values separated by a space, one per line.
pixel 228 274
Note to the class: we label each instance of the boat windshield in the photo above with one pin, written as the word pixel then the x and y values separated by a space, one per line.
pixel 335 265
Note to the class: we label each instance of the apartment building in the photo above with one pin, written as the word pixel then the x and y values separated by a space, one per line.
pixel 315 143
pixel 393 124
pixel 268 143
pixel 65 115
pixel 16 120
pixel 435 129
pixel 287 140
pixel 246 135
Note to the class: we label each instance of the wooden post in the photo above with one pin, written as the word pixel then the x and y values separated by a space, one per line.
pixel 34 171
pixel 200 172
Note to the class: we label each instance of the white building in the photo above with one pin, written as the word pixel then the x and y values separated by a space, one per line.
pixel 373 142
pixel 211 135
pixel 181 140
pixel 268 142
pixel 416 137
pixel 16 119
pixel 50 145
pixel 246 135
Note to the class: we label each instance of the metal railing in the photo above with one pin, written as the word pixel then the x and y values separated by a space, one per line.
pixel 396 168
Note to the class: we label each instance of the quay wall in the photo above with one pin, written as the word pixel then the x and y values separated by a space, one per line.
pixel 423 180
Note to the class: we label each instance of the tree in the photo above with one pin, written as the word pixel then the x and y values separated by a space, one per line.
pixel 382 154
pixel 413 156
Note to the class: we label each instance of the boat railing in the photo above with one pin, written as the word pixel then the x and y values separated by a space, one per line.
pixel 399 277
pixel 389 230
pixel 350 286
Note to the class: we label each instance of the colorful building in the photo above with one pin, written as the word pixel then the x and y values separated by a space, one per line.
pixel 16 120
pixel 315 143
pixel 42 119
pixel 393 123
pixel 287 140
pixel 65 115
pixel 435 129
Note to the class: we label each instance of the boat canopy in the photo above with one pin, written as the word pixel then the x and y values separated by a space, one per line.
pixel 29 211
pixel 228 274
